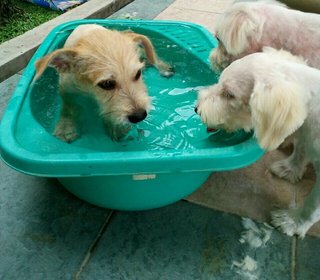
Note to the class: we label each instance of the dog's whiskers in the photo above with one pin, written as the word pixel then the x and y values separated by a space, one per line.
pixel 107 113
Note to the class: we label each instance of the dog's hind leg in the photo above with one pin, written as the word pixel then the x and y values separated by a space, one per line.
pixel 298 221
pixel 293 167
pixel 66 129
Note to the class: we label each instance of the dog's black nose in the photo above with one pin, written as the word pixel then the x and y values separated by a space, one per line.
pixel 137 116
pixel 196 110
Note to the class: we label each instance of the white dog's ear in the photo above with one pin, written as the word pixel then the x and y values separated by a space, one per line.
pixel 277 110
pixel 63 60
pixel 236 28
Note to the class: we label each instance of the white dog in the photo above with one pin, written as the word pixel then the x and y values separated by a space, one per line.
pixel 247 27
pixel 277 95
pixel 104 64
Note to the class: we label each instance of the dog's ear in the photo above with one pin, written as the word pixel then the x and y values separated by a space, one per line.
pixel 277 110
pixel 237 28
pixel 164 68
pixel 146 44
pixel 63 60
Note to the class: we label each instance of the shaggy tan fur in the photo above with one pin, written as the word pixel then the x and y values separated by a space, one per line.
pixel 104 64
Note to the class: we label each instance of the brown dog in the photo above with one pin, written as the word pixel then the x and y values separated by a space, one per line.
pixel 106 65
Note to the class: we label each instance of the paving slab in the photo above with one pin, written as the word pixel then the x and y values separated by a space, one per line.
pixel 308 263
pixel 201 12
pixel 185 241
pixel 45 231
pixel 142 9
pixel 6 89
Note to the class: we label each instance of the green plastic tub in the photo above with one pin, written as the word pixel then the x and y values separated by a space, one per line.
pixel 163 159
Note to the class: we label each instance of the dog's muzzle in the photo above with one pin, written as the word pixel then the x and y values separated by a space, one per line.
pixel 209 129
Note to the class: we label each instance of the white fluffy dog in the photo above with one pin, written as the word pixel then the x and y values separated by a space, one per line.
pixel 277 95
pixel 247 27
pixel 104 64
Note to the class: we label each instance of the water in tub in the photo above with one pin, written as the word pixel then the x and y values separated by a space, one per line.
pixel 171 124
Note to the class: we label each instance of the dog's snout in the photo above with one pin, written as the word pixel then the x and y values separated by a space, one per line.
pixel 196 109
pixel 137 116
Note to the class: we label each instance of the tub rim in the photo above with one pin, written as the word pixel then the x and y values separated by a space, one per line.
pixel 119 163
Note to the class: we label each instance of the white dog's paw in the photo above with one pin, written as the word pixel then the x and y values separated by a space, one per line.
pixel 290 222
pixel 66 131
pixel 283 169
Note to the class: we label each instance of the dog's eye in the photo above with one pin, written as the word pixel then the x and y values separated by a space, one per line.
pixel 107 84
pixel 138 75
pixel 218 39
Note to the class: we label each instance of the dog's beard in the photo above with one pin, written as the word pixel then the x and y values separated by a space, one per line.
pixel 212 113
pixel 115 113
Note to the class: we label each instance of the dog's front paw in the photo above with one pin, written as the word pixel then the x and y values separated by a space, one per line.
pixel 283 169
pixel 290 222
pixel 117 132
pixel 66 131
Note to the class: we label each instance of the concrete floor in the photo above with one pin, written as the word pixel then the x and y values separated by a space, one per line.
pixel 47 233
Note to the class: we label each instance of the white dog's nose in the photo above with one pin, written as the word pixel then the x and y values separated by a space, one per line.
pixel 196 109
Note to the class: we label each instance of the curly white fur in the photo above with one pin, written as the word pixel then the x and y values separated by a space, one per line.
pixel 277 95
pixel 247 27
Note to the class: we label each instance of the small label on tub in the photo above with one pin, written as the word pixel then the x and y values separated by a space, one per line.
pixel 140 177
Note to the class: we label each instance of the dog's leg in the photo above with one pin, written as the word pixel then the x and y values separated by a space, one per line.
pixel 116 132
pixel 298 221
pixel 293 167
pixel 66 127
